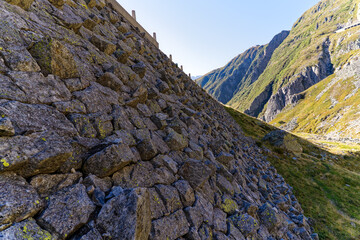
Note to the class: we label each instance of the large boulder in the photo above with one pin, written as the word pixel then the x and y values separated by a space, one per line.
pixel 245 223
pixel 54 57
pixel 104 184
pixel 39 89
pixel 34 154
pixel 147 149
pixel 127 216
pixel 67 211
pixel 46 184
pixel 275 138
pixel 18 58
pixel 291 144
pixel 103 44
pixel 228 204
pixel 224 158
pixel 281 138
pixel 27 229
pixel 73 106
pixel 195 172
pixel 18 200
pixel 25 4
pixel 268 216
pixel 220 220
pixel 171 197
pixel 140 95
pixel 98 98
pixel 109 160
pixel 234 233
pixel 139 68
pixel 143 174
pixel 202 211
pixel 28 118
pixel 110 80
pixel 186 192
pixel 176 141
pixel 170 227
pixel 157 205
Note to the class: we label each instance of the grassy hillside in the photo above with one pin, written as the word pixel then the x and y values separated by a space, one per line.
pixel 303 47
pixel 330 108
pixel 222 83
pixel 327 185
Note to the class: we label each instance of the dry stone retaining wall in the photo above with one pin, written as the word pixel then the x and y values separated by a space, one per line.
pixel 103 137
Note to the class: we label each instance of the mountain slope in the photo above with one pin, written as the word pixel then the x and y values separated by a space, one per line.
pixel 302 60
pixel 103 137
pixel 331 180
pixel 313 51
pixel 241 71
pixel 330 109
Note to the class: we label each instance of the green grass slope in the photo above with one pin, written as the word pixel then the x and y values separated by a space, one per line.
pixel 329 109
pixel 327 185
pixel 303 47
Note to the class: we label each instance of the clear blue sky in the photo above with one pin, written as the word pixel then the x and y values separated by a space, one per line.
pixel 205 34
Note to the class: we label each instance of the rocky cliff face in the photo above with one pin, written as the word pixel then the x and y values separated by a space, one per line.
pixel 259 102
pixel 289 94
pixel 103 137
pixel 224 83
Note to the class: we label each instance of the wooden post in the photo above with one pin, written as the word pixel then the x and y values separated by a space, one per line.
pixel 134 14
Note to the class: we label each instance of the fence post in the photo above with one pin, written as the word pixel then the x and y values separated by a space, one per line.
pixel 134 14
